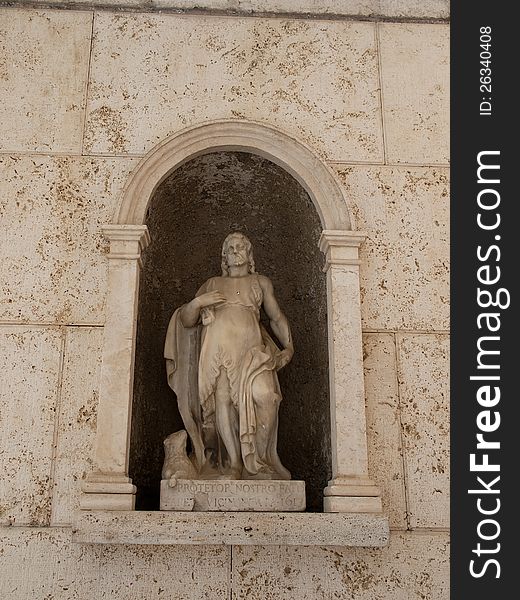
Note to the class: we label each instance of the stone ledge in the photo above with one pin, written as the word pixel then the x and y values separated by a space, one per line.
pixel 397 9
pixel 230 528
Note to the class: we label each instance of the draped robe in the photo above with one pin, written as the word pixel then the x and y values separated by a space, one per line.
pixel 228 339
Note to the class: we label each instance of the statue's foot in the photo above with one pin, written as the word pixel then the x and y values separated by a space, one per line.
pixel 266 472
pixel 235 473
pixel 231 473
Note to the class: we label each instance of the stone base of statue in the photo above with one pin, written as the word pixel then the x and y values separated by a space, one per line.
pixel 232 495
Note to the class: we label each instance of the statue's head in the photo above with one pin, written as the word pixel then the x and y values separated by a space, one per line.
pixel 237 250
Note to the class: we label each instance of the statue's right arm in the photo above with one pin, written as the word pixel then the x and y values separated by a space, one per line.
pixel 190 313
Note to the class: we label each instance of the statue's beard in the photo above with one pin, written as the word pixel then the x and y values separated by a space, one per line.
pixel 236 261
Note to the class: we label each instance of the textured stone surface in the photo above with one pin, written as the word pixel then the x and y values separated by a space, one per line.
pixel 385 459
pixel 76 419
pixel 350 490
pixel 114 412
pixel 432 9
pixel 53 266
pixel 161 527
pixel 424 396
pixel 413 567
pixel 348 420
pixel 353 503
pixel 29 374
pixel 405 260
pixel 44 564
pixel 415 77
pixel 43 79
pixel 153 75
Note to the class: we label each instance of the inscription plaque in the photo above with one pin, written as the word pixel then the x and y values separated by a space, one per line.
pixel 232 495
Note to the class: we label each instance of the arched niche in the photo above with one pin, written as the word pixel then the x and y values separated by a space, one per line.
pixel 241 136
pixel 108 486
pixel 189 215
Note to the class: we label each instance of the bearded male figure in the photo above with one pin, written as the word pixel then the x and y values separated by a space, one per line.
pixel 222 364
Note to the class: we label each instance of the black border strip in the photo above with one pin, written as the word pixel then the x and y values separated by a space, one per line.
pixel 471 134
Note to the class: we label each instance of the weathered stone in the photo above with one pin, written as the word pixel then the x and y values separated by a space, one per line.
pixel 76 419
pixel 426 9
pixel 413 566
pixel 153 75
pixel 424 398
pixel 230 528
pixel 29 376
pixel 39 563
pixel 53 266
pixel 43 563
pixel 43 79
pixel 415 77
pixel 232 495
pixel 385 453
pixel 350 490
pixel 354 504
pixel 405 259
pixel 110 464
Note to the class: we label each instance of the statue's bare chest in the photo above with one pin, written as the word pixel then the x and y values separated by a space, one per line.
pixel 239 290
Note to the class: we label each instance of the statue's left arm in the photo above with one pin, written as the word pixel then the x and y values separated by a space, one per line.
pixel 278 320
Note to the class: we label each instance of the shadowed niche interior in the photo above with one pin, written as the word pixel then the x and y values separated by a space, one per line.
pixel 189 215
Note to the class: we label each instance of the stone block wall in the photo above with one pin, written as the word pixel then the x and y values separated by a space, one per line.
pixel 83 95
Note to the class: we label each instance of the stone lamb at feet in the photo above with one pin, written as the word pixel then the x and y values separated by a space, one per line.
pixel 177 464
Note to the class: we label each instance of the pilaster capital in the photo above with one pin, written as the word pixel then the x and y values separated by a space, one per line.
pixel 126 241
pixel 341 247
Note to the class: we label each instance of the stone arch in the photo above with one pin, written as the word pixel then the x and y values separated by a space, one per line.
pixel 241 136
pixel 108 486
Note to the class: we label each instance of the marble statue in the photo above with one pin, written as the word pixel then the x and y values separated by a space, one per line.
pixel 222 365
